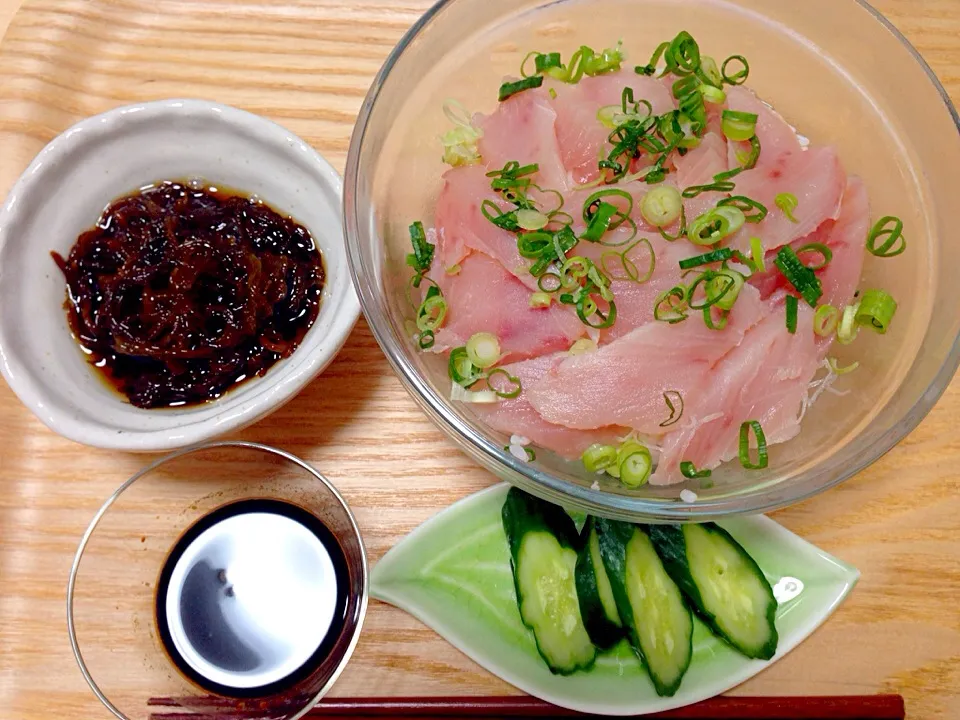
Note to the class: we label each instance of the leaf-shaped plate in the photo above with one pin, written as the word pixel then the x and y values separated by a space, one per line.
pixel 453 573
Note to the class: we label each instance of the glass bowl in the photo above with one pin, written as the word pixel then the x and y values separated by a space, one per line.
pixel 836 69
pixel 266 582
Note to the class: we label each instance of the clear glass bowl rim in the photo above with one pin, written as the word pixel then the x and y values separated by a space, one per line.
pixel 526 475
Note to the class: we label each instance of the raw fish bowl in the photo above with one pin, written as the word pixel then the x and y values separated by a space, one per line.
pixel 834 69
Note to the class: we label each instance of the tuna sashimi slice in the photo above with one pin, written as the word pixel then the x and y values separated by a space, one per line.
pixel 517 416
pixel 522 128
pixel 580 135
pixel 817 179
pixel 698 167
pixel 775 134
pixel 623 382
pixel 483 297
pixel 764 379
pixel 461 226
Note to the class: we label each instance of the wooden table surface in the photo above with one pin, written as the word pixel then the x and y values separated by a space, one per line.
pixel 899 521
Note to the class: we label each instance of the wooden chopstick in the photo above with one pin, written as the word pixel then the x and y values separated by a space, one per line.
pixel 867 707
pixel 854 707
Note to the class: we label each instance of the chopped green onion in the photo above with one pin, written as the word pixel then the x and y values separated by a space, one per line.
pixel 540 300
pixel 635 463
pixel 661 207
pixel 787 202
pixel 876 310
pixel 826 254
pixel 504 219
pixel 889 247
pixel 825 320
pixel 745 205
pixel 714 225
pixel 543 62
pixel 799 275
pixel 738 126
pixel 720 291
pixel 689 470
pixel 483 349
pixel 597 457
pixel 757 254
pixel 573 271
pixel 711 257
pixel 671 305
pixel 531 219
pixel 847 330
pixel 726 284
pixel 582 346
pixel 513 387
pixel 509 89
pixel 453 269
pixel 432 311
pixel 740 76
pixel 460 368
pixel 710 74
pixel 600 222
pixel 426 340
pixel 461 394
pixel 717 186
pixel 673 399
pixel 762 458
pixel 422 256
pixel 713 95
pixel 460 142
pixel 631 273
pixel 792 310
pixel 837 370
pixel 718 323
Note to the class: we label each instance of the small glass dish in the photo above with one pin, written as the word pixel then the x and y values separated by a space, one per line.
pixel 836 69
pixel 122 614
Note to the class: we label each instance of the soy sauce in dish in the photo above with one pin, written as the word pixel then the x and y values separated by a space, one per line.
pixel 182 291
pixel 252 598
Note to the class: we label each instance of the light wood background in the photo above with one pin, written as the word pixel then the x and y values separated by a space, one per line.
pixel 899 521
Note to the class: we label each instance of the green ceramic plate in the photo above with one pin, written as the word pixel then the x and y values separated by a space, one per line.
pixel 453 573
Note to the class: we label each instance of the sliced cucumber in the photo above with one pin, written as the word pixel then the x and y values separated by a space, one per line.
pixel 659 623
pixel 725 585
pixel 543 550
pixel 597 606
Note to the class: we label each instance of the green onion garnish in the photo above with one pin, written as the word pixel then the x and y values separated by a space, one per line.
pixel 713 256
pixel 543 62
pixel 504 219
pixel 661 207
pixel 709 73
pixel 713 95
pixel 757 254
pixel 513 387
pixel 799 275
pixel 529 219
pixel 600 222
pixel 630 271
pixel 837 370
pixel 826 254
pixel 529 452
pixel 876 310
pixel 893 241
pixel 460 142
pixel 738 126
pixel 509 89
pixel 740 76
pixel 597 457
pixel 689 470
pixel 426 340
pixel 792 310
pixel 825 320
pixel 432 311
pixel 422 256
pixel 847 329
pixel 787 202
pixel 540 300
pixel 723 294
pixel 634 463
pixel 762 458
pixel 746 205
pixel 483 350
pixel 716 186
pixel 461 370
pixel 725 285
pixel 714 225
pixel 671 305
pixel 674 401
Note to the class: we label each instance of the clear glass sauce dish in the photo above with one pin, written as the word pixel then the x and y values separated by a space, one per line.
pixel 835 69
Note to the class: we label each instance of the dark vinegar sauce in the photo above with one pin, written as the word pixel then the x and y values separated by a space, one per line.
pixel 180 292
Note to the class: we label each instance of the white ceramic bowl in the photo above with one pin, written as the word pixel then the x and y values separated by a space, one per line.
pixel 63 193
